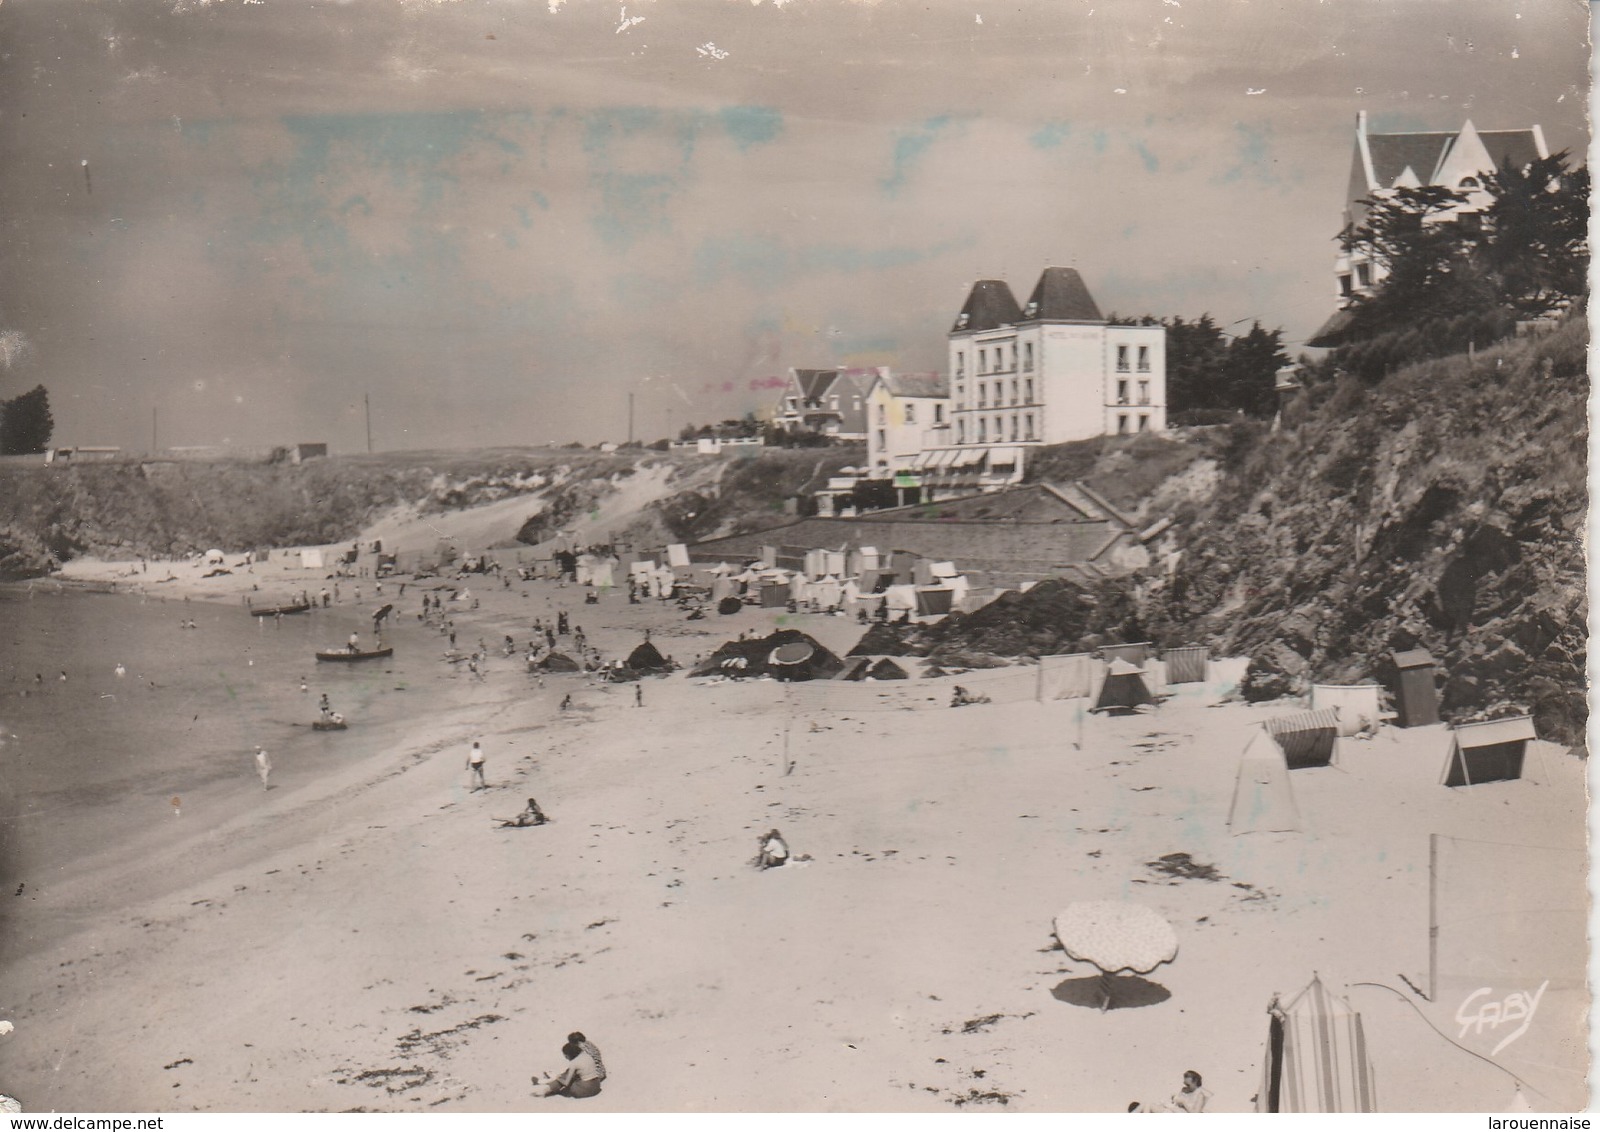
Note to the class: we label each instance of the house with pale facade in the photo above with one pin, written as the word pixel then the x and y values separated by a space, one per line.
pixel 906 413
pixel 831 402
pixel 1049 371
pixel 1454 159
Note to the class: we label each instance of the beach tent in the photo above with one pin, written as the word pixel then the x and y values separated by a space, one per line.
pixel 774 595
pixel 1186 665
pixel 901 598
pixel 641 570
pixel 834 563
pixel 1123 689
pixel 1307 738
pixel 887 669
pixel 1067 677
pixel 648 658
pixel 1263 800
pixel 214 557
pixel 1488 752
pixel 600 574
pixel 558 662
pixel 311 560
pixel 1133 654
pixel 799 588
pixel 1355 704
pixel 1317 1059
pixel 816 563
pixel 677 554
pixel 827 593
pixel 855 668
pixel 1416 691
pixel 934 600
pixel 721 587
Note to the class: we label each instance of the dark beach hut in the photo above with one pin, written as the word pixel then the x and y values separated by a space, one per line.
pixel 1488 752
pixel 757 658
pixel 559 662
pixel 1135 654
pixel 934 601
pixel 855 668
pixel 647 659
pixel 1307 738
pixel 774 595
pixel 1124 688
pixel 1186 665
pixel 1416 695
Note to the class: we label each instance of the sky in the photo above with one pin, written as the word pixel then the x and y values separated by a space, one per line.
pixel 494 221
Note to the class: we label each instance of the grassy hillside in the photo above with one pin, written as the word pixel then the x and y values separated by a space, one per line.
pixel 160 508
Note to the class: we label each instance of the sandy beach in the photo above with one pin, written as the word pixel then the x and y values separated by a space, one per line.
pixel 363 937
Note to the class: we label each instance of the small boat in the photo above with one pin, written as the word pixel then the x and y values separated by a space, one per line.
pixel 277 609
pixel 357 654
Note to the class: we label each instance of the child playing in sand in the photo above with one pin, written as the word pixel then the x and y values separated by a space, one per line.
pixel 774 852
pixel 263 767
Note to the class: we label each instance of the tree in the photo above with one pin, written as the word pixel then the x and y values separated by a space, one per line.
pixel 1536 249
pixel 1250 373
pixel 1428 260
pixel 26 424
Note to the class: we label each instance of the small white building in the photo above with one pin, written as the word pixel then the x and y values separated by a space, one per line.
pixel 907 413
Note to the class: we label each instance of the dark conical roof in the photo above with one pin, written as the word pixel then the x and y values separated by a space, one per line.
pixel 989 304
pixel 1061 295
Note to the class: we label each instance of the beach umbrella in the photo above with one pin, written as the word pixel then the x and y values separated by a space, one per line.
pixel 1116 937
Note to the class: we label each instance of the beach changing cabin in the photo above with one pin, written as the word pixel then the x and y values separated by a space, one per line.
pixel 1186 665
pixel 1488 752
pixel 1416 695
pixel 1135 654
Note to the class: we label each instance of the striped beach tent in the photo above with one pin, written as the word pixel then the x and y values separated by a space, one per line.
pixel 1317 1059
pixel 1307 738
pixel 1186 665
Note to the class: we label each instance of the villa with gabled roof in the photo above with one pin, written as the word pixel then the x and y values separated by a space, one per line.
pixel 1454 159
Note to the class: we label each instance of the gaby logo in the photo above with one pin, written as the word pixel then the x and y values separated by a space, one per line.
pixel 1491 1014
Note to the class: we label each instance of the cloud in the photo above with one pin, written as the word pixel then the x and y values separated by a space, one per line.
pixel 909 148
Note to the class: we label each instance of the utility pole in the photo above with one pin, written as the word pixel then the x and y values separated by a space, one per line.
pixel 630 418
pixel 367 402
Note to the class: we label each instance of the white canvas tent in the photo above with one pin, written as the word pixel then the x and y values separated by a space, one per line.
pixel 1263 799
pixel 1355 704
pixel 311 560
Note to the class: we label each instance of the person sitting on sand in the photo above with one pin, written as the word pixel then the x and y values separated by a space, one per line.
pixel 566 701
pixel 1191 1098
pixel 531 815
pixel 774 851
pixel 354 643
pixel 581 1078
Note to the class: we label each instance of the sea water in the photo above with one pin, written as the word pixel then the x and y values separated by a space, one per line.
pixel 96 761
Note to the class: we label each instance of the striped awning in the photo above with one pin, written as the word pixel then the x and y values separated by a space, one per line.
pixel 1307 738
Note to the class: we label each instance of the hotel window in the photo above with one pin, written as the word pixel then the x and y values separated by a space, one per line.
pixel 1144 359
pixel 1144 422
pixel 983 361
pixel 961 396
pixel 794 404
pixel 1027 423
pixel 883 413
pixel 1013 426
pixel 999 428
pixel 983 395
pixel 1027 356
pixel 1363 275
pixel 1344 286
pixel 938 414
pixel 961 363
pixel 1013 391
pixel 911 414
pixel 1122 392
pixel 1122 359
pixel 833 402
pixel 1029 390
pixel 883 440
pixel 1122 424
pixel 1144 393
pixel 961 431
pixel 1013 356
pixel 983 430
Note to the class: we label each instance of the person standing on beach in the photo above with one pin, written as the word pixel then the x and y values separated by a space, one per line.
pixel 475 765
pixel 263 767
pixel 638 695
